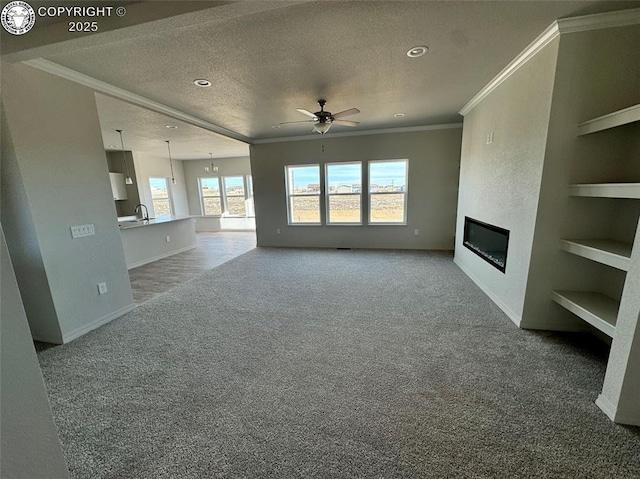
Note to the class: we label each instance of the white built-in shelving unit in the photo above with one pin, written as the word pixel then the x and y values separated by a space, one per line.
pixel 595 308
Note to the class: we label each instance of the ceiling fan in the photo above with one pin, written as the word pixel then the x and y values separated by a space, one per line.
pixel 324 119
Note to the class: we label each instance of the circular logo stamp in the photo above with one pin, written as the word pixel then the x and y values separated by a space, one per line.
pixel 18 17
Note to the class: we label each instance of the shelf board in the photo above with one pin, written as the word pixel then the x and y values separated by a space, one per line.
pixel 612 253
pixel 598 310
pixel 606 190
pixel 617 118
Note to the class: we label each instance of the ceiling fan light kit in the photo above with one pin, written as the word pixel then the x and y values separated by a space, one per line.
pixel 323 120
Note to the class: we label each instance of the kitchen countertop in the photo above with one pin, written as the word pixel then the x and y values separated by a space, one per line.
pixel 125 225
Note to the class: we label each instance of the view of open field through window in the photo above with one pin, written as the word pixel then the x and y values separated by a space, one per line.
pixel 384 208
pixel 160 197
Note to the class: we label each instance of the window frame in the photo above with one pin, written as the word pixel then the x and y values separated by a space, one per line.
pixel 328 194
pixel 249 197
pixel 405 193
pixel 290 195
pixel 169 196
pixel 223 192
pixel 202 196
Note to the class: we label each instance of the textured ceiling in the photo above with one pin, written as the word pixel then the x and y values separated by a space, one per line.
pixel 144 130
pixel 267 58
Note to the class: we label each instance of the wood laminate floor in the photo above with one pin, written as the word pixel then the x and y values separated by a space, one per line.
pixel 213 249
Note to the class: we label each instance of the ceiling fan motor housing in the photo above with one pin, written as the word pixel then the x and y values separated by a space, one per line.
pixel 323 116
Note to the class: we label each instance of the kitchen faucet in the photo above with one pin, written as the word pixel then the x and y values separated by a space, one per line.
pixel 139 210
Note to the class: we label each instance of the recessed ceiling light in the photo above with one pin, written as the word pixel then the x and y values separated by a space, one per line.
pixel 399 115
pixel 172 127
pixel 418 51
pixel 113 146
pixel 202 82
pixel 275 126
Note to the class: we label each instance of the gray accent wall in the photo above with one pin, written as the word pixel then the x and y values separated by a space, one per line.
pixel 30 444
pixel 500 181
pixel 125 207
pixel 58 177
pixel 432 189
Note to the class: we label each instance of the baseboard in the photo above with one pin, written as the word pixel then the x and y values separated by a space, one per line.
pixel 160 256
pixel 43 339
pixel 76 333
pixel 512 316
pixel 631 418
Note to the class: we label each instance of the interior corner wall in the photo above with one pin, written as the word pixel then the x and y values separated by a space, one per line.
pixel 59 154
pixel 16 217
pixel 432 189
pixel 596 74
pixel 194 169
pixel 149 166
pixel 30 444
pixel 500 181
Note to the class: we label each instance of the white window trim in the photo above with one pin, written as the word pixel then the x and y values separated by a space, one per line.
pixel 292 195
pixel 405 193
pixel 225 207
pixel 169 196
pixel 328 194
pixel 202 197
pixel 248 190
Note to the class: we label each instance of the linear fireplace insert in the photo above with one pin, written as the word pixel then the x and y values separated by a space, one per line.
pixel 487 241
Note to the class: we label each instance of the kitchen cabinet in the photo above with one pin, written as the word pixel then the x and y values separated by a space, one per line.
pixel 118 187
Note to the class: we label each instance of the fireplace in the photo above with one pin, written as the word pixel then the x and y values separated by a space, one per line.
pixel 487 241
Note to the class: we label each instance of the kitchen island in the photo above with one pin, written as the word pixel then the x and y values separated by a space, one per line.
pixel 145 241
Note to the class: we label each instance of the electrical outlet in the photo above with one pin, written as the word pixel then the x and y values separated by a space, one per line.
pixel 416 231
pixel 102 288
pixel 168 239
pixel 277 231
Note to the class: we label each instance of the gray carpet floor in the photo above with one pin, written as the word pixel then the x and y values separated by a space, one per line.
pixel 318 363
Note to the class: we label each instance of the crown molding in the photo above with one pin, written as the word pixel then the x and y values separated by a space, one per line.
pixel 620 18
pixel 342 134
pixel 597 21
pixel 124 95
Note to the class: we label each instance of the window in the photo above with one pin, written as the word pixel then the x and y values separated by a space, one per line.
pixel 234 195
pixel 344 193
pixel 210 196
pixel 388 192
pixel 160 198
pixel 251 210
pixel 303 194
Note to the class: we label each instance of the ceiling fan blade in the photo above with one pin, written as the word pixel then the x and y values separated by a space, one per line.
pixel 301 121
pixel 306 112
pixel 346 122
pixel 350 111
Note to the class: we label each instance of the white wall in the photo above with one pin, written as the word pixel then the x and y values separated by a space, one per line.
pixel 30 445
pixel 147 166
pixel 59 177
pixel 500 182
pixel 144 244
pixel 432 189
pixel 195 169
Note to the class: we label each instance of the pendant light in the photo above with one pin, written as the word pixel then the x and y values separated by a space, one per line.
pixel 213 169
pixel 127 178
pixel 173 179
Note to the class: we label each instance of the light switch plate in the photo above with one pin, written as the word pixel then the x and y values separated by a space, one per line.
pixel 80 231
